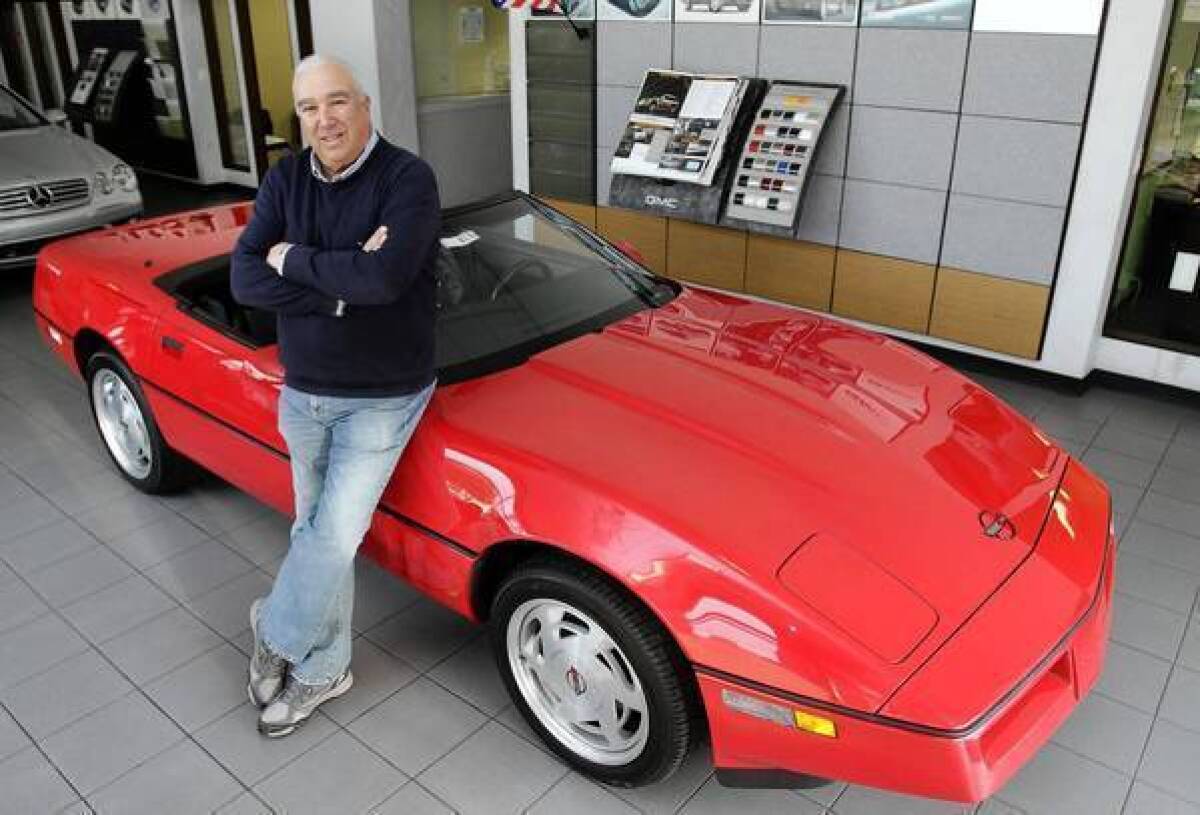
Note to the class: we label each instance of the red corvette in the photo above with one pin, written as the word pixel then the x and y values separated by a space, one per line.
pixel 679 511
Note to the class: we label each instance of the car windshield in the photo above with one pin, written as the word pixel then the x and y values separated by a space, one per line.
pixel 515 278
pixel 15 114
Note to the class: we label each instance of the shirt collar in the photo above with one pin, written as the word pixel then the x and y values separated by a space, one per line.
pixel 319 172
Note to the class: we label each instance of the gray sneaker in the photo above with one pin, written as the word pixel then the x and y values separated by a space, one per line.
pixel 297 702
pixel 267 669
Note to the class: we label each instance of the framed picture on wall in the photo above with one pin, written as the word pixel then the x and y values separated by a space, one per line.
pixel 717 11
pixel 634 9
pixel 577 9
pixel 811 12
pixel 951 14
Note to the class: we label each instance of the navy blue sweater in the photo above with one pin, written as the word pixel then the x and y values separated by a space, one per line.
pixel 382 345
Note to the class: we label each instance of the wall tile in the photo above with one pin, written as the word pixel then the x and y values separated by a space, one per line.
pixel 717 48
pixel 1029 76
pixel 1003 239
pixel 909 147
pixel 613 106
pixel 1019 160
pixel 899 222
pixel 807 53
pixel 626 50
pixel 910 68
pixel 821 215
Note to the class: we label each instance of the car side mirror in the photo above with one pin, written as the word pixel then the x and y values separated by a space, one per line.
pixel 630 251
pixel 56 117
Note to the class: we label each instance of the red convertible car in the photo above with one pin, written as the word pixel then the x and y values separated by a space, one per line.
pixel 682 513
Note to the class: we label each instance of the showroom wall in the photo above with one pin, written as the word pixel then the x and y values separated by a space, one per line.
pixel 941 193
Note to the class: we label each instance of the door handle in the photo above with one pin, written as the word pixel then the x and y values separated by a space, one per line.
pixel 171 344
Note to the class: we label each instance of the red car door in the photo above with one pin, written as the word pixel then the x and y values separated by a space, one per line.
pixel 214 396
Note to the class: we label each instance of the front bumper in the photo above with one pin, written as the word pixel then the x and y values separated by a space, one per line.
pixel 21 240
pixel 958 763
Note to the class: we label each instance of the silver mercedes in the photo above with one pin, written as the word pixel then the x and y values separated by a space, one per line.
pixel 54 183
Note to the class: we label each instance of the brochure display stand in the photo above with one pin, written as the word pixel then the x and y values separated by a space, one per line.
pixel 721 149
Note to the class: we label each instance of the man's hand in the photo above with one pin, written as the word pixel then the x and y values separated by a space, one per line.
pixel 276 255
pixel 376 241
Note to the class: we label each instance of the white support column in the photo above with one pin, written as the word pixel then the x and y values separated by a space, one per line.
pixel 519 98
pixel 375 39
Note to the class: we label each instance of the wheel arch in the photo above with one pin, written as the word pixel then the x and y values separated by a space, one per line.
pixel 88 342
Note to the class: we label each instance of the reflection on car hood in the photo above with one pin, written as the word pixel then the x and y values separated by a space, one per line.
pixel 48 153
pixel 748 428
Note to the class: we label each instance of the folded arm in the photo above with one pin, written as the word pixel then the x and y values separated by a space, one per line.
pixel 253 281
pixel 412 217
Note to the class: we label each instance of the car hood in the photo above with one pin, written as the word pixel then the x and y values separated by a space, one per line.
pixel 48 153
pixel 790 445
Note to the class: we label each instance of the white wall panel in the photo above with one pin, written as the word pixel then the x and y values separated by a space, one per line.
pixel 1039 16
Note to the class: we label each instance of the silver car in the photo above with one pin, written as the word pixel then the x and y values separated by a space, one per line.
pixel 54 183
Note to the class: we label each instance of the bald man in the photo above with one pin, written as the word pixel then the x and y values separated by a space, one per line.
pixel 341 247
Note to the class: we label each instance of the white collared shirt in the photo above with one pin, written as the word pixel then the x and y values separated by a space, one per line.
pixel 319 172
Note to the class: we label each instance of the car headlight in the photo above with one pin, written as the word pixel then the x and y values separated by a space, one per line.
pixel 124 178
pixel 102 182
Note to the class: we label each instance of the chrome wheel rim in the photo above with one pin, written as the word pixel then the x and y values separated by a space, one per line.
pixel 578 682
pixel 122 424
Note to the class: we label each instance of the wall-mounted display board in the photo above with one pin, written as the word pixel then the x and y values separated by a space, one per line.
pixel 634 9
pixel 771 174
pixel 949 14
pixel 717 11
pixel 812 12
pixel 583 10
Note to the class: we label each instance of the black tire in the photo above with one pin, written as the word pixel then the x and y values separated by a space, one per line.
pixel 648 648
pixel 167 470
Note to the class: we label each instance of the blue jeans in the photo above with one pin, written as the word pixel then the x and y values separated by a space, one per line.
pixel 343 454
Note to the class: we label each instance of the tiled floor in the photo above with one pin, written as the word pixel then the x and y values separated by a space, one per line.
pixel 123 638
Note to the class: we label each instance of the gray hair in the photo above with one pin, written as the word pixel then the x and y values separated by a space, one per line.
pixel 317 60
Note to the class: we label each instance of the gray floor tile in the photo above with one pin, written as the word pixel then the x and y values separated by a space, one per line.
pixel 159 540
pixel 1119 467
pixel 245 804
pixel 164 643
pixel 1065 427
pixel 826 794
pixel 72 689
pixel 31 785
pixel 1152 629
pixel 122 516
pixel 377 675
pixel 1181 704
pixel 1189 432
pixel 1162 545
pixel 493 771
pixel 235 742
pixel 78 576
pixel 417 726
pixel 78 495
pixel 472 674
pixel 110 742
pixel 1163 510
pixel 226 609
pixel 1065 783
pixel 337 776
pixel 511 718
pixel 424 634
pixel 118 608
pixel 1125 497
pixel 1146 800
pixel 12 737
pixel 199 692
pixel 667 796
pixel 77 808
pixel 262 541
pixel 42 547
pixel 1149 416
pixel 576 794
pixel 59 468
pixel 713 799
pixel 1183 457
pixel 1178 484
pixel 1120 439
pixel 1155 583
pixel 13 489
pixel 1134 677
pixel 18 605
pixel 1171 759
pixel 1107 732
pixel 994 806
pixel 199 570
pixel 413 799
pixel 181 780
pixel 866 801
pixel 378 595
pixel 36 646
pixel 1189 654
pixel 216 506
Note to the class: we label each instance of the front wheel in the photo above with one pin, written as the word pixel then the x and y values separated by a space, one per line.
pixel 127 427
pixel 593 673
